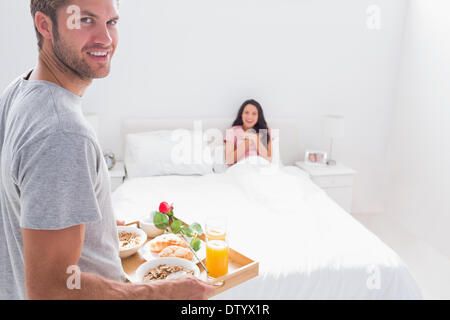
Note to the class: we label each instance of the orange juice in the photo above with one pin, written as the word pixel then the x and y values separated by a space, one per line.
pixel 217 258
pixel 216 234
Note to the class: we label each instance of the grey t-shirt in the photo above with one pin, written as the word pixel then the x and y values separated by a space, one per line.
pixel 52 176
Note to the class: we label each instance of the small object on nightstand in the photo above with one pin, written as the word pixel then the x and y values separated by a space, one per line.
pixel 336 181
pixel 110 159
pixel 117 175
pixel 316 157
pixel 333 128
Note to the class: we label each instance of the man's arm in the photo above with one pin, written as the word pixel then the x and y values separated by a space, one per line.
pixel 48 254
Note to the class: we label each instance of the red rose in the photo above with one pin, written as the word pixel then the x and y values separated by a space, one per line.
pixel 164 207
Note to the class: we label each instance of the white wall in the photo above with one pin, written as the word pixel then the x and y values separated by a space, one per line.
pixel 419 152
pixel 202 58
pixel 18 48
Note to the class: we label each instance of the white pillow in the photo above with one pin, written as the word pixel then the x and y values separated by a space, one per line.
pixel 215 141
pixel 218 156
pixel 174 152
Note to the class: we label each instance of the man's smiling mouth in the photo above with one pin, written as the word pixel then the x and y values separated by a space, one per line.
pixel 99 56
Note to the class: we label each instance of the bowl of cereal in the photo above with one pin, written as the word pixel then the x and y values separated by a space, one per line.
pixel 131 239
pixel 165 268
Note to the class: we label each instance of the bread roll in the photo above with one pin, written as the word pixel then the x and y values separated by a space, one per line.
pixel 163 241
pixel 177 251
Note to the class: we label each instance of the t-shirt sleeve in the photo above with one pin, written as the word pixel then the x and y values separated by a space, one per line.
pixel 57 179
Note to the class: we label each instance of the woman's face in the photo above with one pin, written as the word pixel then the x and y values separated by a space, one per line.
pixel 249 116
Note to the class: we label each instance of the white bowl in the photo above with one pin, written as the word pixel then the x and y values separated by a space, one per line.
pixel 146 224
pixel 170 261
pixel 125 253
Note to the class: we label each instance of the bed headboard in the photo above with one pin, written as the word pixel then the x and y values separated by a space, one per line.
pixel 289 131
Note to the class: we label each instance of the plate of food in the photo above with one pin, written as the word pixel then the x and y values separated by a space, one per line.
pixel 131 239
pixel 171 245
pixel 165 268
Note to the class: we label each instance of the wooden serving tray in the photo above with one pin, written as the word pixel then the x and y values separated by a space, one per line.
pixel 240 269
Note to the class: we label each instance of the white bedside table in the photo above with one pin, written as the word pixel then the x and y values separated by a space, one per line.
pixel 117 174
pixel 337 181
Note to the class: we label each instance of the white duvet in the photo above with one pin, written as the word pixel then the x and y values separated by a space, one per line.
pixel 306 245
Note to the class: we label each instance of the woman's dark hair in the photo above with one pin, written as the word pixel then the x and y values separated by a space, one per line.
pixel 260 125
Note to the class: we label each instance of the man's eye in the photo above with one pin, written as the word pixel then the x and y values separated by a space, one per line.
pixel 112 22
pixel 86 20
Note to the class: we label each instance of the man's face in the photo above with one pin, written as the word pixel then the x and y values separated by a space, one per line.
pixel 86 38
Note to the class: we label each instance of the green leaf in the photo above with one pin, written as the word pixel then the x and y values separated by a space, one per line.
pixel 188 231
pixel 197 227
pixel 195 244
pixel 176 226
pixel 160 220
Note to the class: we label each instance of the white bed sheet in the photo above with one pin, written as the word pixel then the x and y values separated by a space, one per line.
pixel 307 246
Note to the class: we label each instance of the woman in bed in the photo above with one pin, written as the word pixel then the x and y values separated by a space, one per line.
pixel 249 135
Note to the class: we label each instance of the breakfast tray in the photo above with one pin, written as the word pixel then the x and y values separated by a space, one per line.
pixel 240 269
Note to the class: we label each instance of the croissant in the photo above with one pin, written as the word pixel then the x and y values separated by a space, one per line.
pixel 163 241
pixel 176 251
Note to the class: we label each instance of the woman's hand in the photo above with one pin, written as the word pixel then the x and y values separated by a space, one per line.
pixel 251 137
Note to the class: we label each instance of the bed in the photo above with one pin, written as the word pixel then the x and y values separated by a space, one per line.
pixel 307 246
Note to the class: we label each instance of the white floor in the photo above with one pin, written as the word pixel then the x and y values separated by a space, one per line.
pixel 430 268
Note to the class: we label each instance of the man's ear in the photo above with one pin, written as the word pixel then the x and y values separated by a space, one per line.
pixel 44 25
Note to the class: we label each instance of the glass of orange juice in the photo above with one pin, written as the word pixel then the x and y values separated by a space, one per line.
pixel 216 247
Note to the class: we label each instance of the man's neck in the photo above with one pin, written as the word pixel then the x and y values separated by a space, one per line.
pixel 50 69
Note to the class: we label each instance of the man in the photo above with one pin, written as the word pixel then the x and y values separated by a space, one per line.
pixel 56 214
